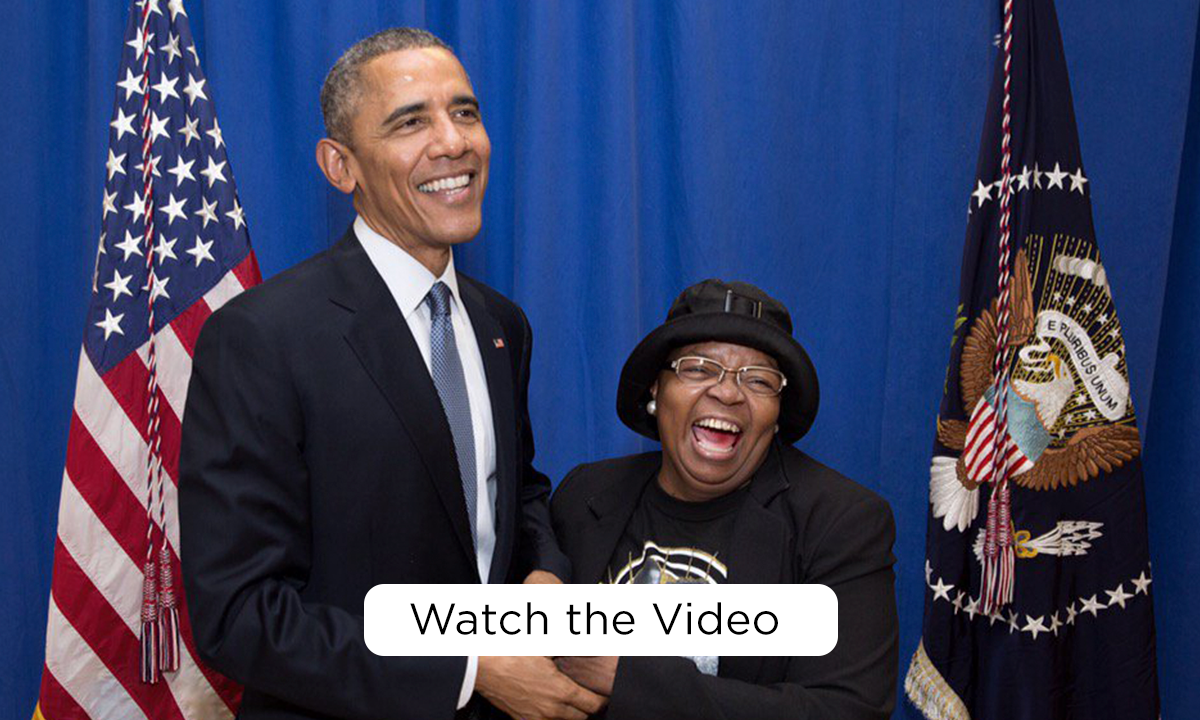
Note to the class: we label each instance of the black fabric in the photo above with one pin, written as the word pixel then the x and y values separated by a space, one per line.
pixel 316 463
pixel 800 522
pixel 671 540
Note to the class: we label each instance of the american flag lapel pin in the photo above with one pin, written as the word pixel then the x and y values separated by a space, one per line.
pixel 498 342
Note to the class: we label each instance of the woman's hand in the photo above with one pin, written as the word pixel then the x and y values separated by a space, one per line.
pixel 594 672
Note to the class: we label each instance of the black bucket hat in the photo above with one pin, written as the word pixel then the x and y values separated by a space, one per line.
pixel 733 312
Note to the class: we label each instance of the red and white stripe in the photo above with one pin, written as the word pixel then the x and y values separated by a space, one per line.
pixel 96 595
pixel 980 449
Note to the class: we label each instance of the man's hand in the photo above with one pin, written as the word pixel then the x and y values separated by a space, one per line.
pixel 596 673
pixel 532 688
pixel 542 577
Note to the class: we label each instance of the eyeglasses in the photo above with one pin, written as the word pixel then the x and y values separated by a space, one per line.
pixel 754 379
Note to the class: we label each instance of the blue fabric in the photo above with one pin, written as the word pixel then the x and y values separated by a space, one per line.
pixel 822 149
pixel 446 367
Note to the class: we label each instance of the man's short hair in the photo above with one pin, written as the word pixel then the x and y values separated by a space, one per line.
pixel 343 85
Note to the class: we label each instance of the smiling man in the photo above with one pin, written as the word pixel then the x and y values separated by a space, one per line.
pixel 361 419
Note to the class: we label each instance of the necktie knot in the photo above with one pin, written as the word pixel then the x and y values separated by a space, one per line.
pixel 439 299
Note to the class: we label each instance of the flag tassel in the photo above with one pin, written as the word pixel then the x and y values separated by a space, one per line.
pixel 168 614
pixel 150 639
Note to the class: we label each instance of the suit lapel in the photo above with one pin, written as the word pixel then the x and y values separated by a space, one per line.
pixel 497 368
pixel 612 507
pixel 758 549
pixel 383 343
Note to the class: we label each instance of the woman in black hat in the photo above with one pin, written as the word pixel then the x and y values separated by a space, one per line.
pixel 726 389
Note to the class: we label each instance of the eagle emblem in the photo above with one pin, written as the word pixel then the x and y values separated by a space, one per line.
pixel 1069 414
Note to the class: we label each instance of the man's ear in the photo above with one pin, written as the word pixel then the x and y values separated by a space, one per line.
pixel 334 159
pixel 654 390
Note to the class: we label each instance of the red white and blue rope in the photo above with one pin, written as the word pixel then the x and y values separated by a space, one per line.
pixel 999 559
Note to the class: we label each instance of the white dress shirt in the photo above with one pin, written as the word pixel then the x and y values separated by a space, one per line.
pixel 409 282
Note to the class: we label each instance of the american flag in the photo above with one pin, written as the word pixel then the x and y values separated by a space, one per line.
pixel 173 248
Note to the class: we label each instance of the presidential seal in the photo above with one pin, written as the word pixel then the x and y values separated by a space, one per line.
pixel 1069 413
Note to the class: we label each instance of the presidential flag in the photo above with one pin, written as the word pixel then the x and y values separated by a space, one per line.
pixel 1037 563
pixel 173 248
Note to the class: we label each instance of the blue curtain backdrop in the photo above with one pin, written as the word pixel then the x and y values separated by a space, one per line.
pixel 822 149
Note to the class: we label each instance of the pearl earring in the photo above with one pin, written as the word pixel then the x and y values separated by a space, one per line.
pixel 651 407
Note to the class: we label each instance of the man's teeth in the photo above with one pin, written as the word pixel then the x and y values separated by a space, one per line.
pixel 721 425
pixel 450 183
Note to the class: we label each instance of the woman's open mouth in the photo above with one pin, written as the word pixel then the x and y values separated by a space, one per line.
pixel 716 438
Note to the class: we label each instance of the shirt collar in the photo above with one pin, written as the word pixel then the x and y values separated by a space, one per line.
pixel 408 280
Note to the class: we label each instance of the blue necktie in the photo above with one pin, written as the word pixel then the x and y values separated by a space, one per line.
pixel 447 370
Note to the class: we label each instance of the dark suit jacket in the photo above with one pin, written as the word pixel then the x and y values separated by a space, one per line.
pixel 801 523
pixel 316 463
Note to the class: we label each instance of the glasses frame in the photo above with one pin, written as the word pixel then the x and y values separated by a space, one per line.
pixel 738 374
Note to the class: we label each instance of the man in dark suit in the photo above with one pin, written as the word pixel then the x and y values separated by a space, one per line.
pixel 361 419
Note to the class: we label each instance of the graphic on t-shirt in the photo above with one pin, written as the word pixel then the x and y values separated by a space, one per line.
pixel 659 565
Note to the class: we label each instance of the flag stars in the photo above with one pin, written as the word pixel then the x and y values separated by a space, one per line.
pixel 153 162
pixel 137 206
pixel 192 49
pixel 1102 318
pixel 1034 625
pixel 972 608
pixel 215 134
pixel 166 87
pixel 1089 605
pixel 158 126
pixel 131 84
pixel 165 249
pixel 176 8
pixel 129 246
pixel 115 164
pixel 1023 179
pixel 201 251
pixel 110 204
pixel 1070 302
pixel 941 590
pixel 111 324
pixel 237 215
pixel 1118 596
pixel 119 285
pixel 1090 415
pixel 1071 614
pixel 1013 622
pixel 142 43
pixel 1055 623
pixel 958 601
pixel 1077 181
pixel 182 171
pixel 1037 177
pixel 214 172
pixel 208 212
pixel 174 209
pixel 159 288
pixel 171 48
pixel 982 193
pixel 1141 584
pixel 122 124
pixel 1114 333
pixel 189 131
pixel 1056 177
pixel 194 90
pixel 928 572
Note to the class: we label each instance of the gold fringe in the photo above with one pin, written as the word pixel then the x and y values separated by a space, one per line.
pixel 37 712
pixel 929 691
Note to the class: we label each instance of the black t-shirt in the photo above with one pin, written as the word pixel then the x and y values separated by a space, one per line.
pixel 669 540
